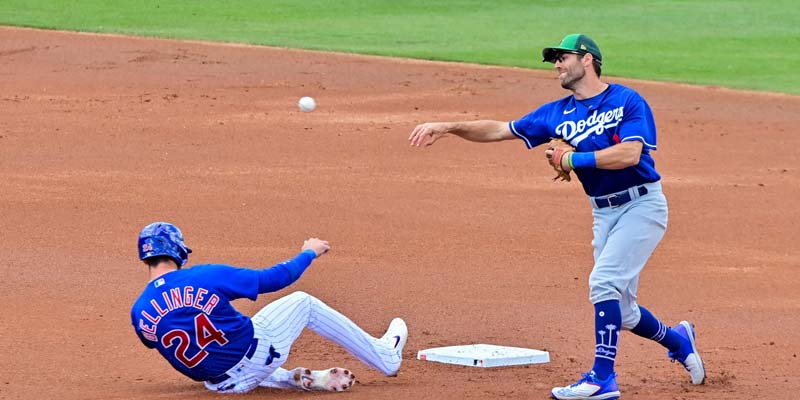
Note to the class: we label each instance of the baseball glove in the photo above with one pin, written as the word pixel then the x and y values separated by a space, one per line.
pixel 560 147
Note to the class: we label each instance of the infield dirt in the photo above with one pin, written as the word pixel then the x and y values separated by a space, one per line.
pixel 469 243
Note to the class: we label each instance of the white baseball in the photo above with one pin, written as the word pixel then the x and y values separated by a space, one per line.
pixel 307 104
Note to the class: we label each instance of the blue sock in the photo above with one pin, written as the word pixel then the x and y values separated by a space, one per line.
pixel 607 322
pixel 651 328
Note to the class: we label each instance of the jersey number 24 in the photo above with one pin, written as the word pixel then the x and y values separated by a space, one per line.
pixel 205 333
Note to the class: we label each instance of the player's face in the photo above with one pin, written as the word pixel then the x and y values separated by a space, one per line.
pixel 570 69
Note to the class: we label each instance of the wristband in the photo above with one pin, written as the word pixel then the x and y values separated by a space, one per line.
pixel 582 160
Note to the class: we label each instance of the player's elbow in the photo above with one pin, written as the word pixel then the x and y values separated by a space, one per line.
pixel 631 153
pixel 632 159
pixel 498 131
pixel 622 160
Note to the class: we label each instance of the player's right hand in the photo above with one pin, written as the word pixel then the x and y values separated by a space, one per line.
pixel 427 133
pixel 319 246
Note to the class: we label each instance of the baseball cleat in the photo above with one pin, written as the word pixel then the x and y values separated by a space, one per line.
pixel 689 357
pixel 589 388
pixel 397 336
pixel 329 380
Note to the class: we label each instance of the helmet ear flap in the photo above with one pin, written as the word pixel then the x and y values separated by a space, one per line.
pixel 183 255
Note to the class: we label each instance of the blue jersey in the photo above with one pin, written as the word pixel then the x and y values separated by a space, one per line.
pixel 187 314
pixel 616 115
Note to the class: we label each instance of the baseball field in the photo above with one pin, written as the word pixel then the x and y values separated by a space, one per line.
pixel 101 134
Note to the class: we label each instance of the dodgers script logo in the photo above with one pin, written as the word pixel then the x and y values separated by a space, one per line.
pixel 576 131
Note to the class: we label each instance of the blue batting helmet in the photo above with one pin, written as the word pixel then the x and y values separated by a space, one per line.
pixel 163 239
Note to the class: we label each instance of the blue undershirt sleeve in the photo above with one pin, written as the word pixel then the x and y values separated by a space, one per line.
pixel 284 274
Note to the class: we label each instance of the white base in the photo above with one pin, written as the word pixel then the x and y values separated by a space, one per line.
pixel 484 355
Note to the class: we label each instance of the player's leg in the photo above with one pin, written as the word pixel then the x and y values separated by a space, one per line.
pixel 679 341
pixel 604 293
pixel 600 381
pixel 282 321
pixel 277 326
pixel 624 239
pixel 251 372
pixel 614 281
pixel 642 322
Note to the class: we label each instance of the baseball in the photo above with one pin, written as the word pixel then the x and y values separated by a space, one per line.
pixel 307 104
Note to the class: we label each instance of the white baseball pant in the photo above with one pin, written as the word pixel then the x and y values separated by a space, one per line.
pixel 624 239
pixel 280 323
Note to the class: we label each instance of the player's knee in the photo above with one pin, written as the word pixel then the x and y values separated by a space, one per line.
pixel 602 290
pixel 299 295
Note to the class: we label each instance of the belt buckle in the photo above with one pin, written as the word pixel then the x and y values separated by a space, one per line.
pixel 608 199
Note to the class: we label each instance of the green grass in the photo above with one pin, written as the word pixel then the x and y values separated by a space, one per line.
pixel 732 43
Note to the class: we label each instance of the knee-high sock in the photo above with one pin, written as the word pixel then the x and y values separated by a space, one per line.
pixel 651 328
pixel 607 322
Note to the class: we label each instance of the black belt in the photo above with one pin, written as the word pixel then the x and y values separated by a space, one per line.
pixel 617 199
pixel 224 377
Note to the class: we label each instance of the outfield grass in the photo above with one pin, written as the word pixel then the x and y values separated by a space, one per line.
pixel 732 43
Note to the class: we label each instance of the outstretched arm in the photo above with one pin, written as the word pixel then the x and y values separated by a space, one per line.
pixel 475 131
pixel 284 274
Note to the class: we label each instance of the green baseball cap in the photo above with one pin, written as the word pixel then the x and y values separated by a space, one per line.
pixel 577 43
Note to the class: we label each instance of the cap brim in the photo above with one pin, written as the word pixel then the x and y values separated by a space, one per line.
pixel 549 54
